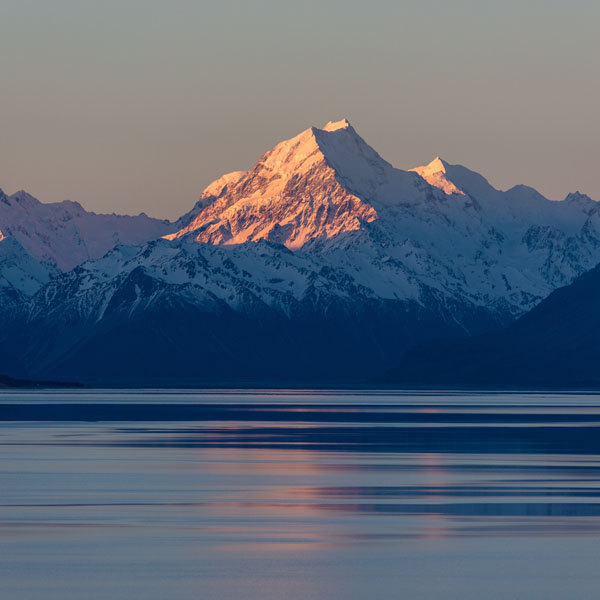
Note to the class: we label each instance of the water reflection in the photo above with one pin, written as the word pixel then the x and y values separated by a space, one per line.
pixel 302 487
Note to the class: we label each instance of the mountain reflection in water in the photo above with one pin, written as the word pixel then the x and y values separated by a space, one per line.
pixel 298 494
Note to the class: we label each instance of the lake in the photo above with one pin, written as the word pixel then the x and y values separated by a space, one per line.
pixel 298 495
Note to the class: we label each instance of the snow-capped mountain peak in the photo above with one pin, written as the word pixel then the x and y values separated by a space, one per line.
pixel 435 173
pixel 316 185
pixel 579 198
pixel 437 165
pixel 309 186
pixel 335 125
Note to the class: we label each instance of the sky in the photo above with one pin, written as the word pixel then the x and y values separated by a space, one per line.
pixel 137 105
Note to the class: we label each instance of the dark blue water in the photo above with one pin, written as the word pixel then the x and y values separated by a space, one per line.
pixel 275 495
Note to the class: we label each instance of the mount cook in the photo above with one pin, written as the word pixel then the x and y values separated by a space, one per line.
pixel 323 262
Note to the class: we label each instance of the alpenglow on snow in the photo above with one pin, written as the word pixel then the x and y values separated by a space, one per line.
pixel 322 259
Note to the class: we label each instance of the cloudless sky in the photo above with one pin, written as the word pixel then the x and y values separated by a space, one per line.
pixel 136 105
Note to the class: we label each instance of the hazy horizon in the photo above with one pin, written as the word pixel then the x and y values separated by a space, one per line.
pixel 137 106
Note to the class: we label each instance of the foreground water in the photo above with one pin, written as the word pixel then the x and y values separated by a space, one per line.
pixel 277 495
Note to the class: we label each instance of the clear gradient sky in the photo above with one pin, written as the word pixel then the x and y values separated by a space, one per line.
pixel 131 105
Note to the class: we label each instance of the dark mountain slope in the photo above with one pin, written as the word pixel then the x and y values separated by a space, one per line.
pixel 175 342
pixel 557 344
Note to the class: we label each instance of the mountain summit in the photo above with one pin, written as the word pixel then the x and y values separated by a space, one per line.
pixel 435 174
pixel 319 184
pixel 291 195
pixel 335 125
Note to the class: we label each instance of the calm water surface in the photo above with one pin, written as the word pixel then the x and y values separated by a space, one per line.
pixel 285 495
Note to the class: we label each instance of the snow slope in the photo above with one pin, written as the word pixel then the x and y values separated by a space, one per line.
pixel 65 234
pixel 21 275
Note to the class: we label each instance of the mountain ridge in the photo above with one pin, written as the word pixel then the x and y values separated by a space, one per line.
pixel 65 234
pixel 323 259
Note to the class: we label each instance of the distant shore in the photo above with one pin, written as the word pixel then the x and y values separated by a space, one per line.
pixel 7 382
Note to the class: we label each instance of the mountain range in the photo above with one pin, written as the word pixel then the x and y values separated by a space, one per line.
pixel 322 263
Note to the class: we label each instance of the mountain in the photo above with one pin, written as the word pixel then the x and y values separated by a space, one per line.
pixel 436 174
pixel 38 240
pixel 323 262
pixel 21 275
pixel 556 344
pixel 65 234
pixel 441 226
pixel 188 312
pixel 292 194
